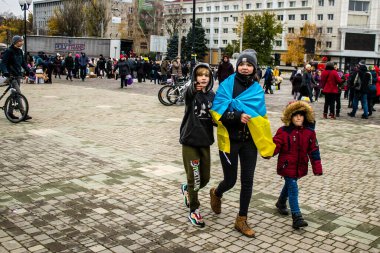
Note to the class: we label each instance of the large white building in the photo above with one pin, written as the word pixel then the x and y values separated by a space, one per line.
pixel 350 28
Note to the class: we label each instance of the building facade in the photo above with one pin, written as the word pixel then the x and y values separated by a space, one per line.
pixel 349 29
pixel 126 20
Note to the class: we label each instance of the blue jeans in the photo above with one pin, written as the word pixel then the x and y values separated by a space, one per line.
pixel 290 190
pixel 363 101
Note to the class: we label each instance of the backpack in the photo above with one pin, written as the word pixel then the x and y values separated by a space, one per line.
pixel 357 82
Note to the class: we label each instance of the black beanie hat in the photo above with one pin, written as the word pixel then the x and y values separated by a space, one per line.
pixel 248 55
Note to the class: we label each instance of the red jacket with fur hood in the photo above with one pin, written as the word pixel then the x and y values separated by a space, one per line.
pixel 296 145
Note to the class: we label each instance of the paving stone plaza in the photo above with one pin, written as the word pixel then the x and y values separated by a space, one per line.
pixel 98 169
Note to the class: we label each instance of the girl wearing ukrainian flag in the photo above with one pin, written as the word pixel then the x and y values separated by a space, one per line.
pixel 243 130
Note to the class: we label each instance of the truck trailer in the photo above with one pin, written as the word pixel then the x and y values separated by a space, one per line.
pixel 93 47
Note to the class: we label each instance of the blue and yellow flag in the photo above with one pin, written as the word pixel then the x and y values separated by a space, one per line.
pixel 251 102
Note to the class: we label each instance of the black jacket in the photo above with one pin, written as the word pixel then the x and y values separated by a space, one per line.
pixel 238 131
pixel 123 67
pixel 197 126
pixel 12 62
pixel 69 62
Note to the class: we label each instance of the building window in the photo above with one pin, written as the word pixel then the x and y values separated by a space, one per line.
pixel 216 30
pixel 328 44
pixel 236 7
pixel 207 30
pixel 303 16
pixel 208 8
pixel 200 9
pixel 225 19
pixel 292 17
pixel 207 41
pixel 280 17
pixel 216 19
pixel 217 8
pixel 224 42
pixel 226 7
pixel 304 3
pixel 358 5
pixel 234 30
pixel 184 21
pixel 329 30
pixel 319 44
pixel 331 2
pixel 269 5
pixel 291 30
pixel 208 20
pixel 225 30
pixel 330 16
pixel 278 43
pixel 216 42
pixel 319 30
pixel 200 20
pixel 320 16
pixel 280 4
pixel 235 19
pixel 321 2
pixel 248 6
pixel 292 4
pixel 258 5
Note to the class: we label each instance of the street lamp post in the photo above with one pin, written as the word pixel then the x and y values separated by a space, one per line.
pixel 24 4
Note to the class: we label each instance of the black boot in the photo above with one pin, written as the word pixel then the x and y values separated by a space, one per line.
pixel 281 207
pixel 298 221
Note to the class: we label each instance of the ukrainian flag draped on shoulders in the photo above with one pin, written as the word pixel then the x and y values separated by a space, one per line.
pixel 251 102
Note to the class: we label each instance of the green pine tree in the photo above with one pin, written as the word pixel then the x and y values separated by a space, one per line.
pixel 184 48
pixel 200 48
pixel 173 47
pixel 259 34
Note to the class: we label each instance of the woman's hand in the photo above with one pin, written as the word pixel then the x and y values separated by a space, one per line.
pixel 244 118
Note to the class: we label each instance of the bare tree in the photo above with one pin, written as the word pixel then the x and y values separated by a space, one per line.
pixel 68 19
pixel 173 20
pixel 97 17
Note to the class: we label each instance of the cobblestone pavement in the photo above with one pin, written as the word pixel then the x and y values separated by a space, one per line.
pixel 98 169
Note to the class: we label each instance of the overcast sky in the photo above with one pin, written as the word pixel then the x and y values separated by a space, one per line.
pixel 12 6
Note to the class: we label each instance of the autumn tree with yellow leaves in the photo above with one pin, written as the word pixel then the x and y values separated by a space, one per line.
pixel 295 41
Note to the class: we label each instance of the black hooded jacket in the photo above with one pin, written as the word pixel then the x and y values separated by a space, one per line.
pixel 13 62
pixel 197 125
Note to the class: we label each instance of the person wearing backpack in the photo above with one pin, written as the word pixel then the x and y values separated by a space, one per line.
pixel 361 83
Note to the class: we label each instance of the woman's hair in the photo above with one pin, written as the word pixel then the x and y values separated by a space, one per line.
pixel 329 65
pixel 202 71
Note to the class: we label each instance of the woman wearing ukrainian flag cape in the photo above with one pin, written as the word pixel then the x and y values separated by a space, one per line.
pixel 243 130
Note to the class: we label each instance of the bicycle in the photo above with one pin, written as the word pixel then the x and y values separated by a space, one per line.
pixel 16 105
pixel 172 93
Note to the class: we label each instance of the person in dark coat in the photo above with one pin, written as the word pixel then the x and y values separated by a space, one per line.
pixel 225 69
pixel 69 65
pixel 12 64
pixel 124 70
pixel 361 89
pixel 296 84
pixel 296 143
pixel 57 65
pixel 101 64
pixel 83 62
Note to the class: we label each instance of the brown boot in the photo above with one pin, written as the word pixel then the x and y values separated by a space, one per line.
pixel 242 226
pixel 215 202
pixel 325 115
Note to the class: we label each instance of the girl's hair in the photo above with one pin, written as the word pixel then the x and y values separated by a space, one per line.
pixel 202 71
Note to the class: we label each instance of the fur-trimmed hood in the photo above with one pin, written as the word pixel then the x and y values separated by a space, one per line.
pixel 298 106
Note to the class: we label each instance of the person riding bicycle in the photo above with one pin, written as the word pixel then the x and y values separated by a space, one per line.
pixel 12 63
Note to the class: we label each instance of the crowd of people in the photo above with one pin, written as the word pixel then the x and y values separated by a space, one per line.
pixel 362 84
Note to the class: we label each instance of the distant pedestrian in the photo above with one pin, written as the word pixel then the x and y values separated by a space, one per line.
pixel 225 69
pixel 69 65
pixel 296 143
pixel 83 63
pixel 196 137
pixel 330 81
pixel 124 70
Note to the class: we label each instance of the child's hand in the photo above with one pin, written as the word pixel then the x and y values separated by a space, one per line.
pixel 244 118
pixel 198 86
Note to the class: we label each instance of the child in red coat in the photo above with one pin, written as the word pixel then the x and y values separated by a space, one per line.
pixel 296 143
